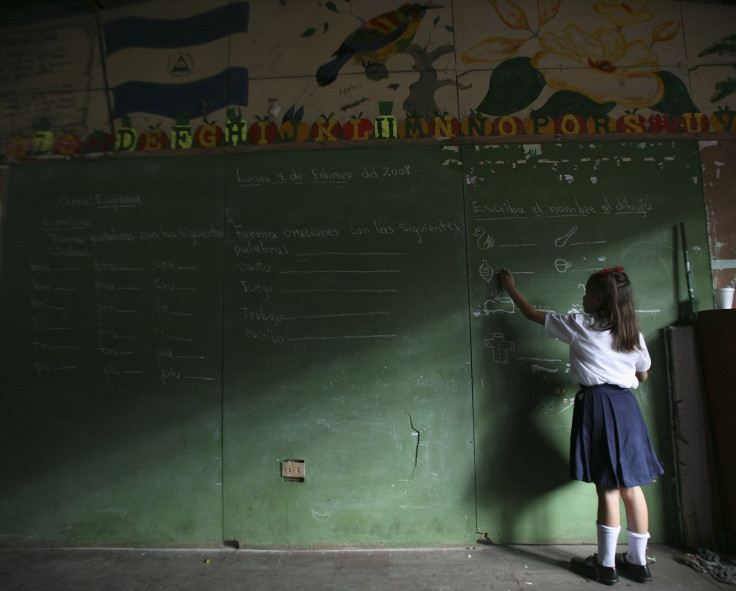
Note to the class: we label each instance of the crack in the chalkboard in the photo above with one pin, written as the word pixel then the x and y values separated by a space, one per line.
pixel 416 449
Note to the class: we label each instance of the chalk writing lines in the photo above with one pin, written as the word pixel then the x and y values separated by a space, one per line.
pixel 326 290
pixel 341 315
pixel 317 280
pixel 343 337
pixel 358 254
pixel 506 210
pixel 113 268
pixel 350 271
pixel 64 228
pixel 485 241
pixel 364 314
pixel 292 178
pixel 41 268
pixel 339 337
pixel 118 291
pixel 304 320
pixel 517 245
pixel 320 176
pixel 111 297
pixel 499 218
pixel 43 305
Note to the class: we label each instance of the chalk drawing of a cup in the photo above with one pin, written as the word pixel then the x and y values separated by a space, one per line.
pixel 562 265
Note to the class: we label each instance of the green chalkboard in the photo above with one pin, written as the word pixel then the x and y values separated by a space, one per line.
pixel 348 348
pixel 175 328
pixel 554 214
pixel 111 367
pixel 172 312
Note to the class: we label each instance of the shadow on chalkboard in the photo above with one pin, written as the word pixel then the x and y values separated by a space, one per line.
pixel 524 420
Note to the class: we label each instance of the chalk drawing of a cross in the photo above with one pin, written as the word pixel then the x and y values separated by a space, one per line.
pixel 500 347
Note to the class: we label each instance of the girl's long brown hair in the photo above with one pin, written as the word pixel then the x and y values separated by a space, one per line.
pixel 618 307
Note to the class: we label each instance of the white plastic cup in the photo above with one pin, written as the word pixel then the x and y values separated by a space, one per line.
pixel 724 298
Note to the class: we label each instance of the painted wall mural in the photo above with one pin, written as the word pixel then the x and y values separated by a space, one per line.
pixel 178 75
pixel 590 72
pixel 195 89
pixel 725 47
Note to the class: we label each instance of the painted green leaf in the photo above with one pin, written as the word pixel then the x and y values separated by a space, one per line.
pixel 723 89
pixel 676 99
pixel 513 86
pixel 563 102
pixel 309 32
pixel 331 6
pixel 726 46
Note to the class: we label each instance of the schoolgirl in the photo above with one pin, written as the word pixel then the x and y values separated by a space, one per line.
pixel 609 441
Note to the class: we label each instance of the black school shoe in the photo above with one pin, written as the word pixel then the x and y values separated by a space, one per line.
pixel 636 572
pixel 590 568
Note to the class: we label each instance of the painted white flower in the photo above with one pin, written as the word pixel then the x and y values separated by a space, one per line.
pixel 625 13
pixel 602 66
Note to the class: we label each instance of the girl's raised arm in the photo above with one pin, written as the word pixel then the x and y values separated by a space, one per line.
pixel 530 312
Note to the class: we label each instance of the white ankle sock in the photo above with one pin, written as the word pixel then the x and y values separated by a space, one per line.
pixel 637 553
pixel 607 540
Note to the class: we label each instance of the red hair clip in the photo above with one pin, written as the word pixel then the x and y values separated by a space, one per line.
pixel 605 272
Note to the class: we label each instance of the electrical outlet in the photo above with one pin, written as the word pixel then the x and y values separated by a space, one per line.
pixel 293 470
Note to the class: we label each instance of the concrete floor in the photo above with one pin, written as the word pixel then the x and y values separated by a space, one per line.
pixel 503 568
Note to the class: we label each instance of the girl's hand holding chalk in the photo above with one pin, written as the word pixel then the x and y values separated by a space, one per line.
pixel 506 279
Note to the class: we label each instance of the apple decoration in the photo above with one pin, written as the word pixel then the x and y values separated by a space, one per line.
pixel 444 126
pixel 18 146
pixel 153 138
pixel 68 144
pixel 413 127
pixel 99 141
pixel 208 135
pixel 263 131
pixel 326 129
pixel 358 128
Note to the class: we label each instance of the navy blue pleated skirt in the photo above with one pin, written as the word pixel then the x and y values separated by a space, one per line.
pixel 609 442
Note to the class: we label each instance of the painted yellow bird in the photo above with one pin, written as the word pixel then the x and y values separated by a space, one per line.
pixel 376 40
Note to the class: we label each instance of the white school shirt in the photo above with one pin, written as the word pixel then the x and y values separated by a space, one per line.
pixel 593 358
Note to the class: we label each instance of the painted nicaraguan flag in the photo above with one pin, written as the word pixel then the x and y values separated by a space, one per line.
pixel 171 67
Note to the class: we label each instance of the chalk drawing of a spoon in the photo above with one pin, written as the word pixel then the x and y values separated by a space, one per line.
pixel 562 240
